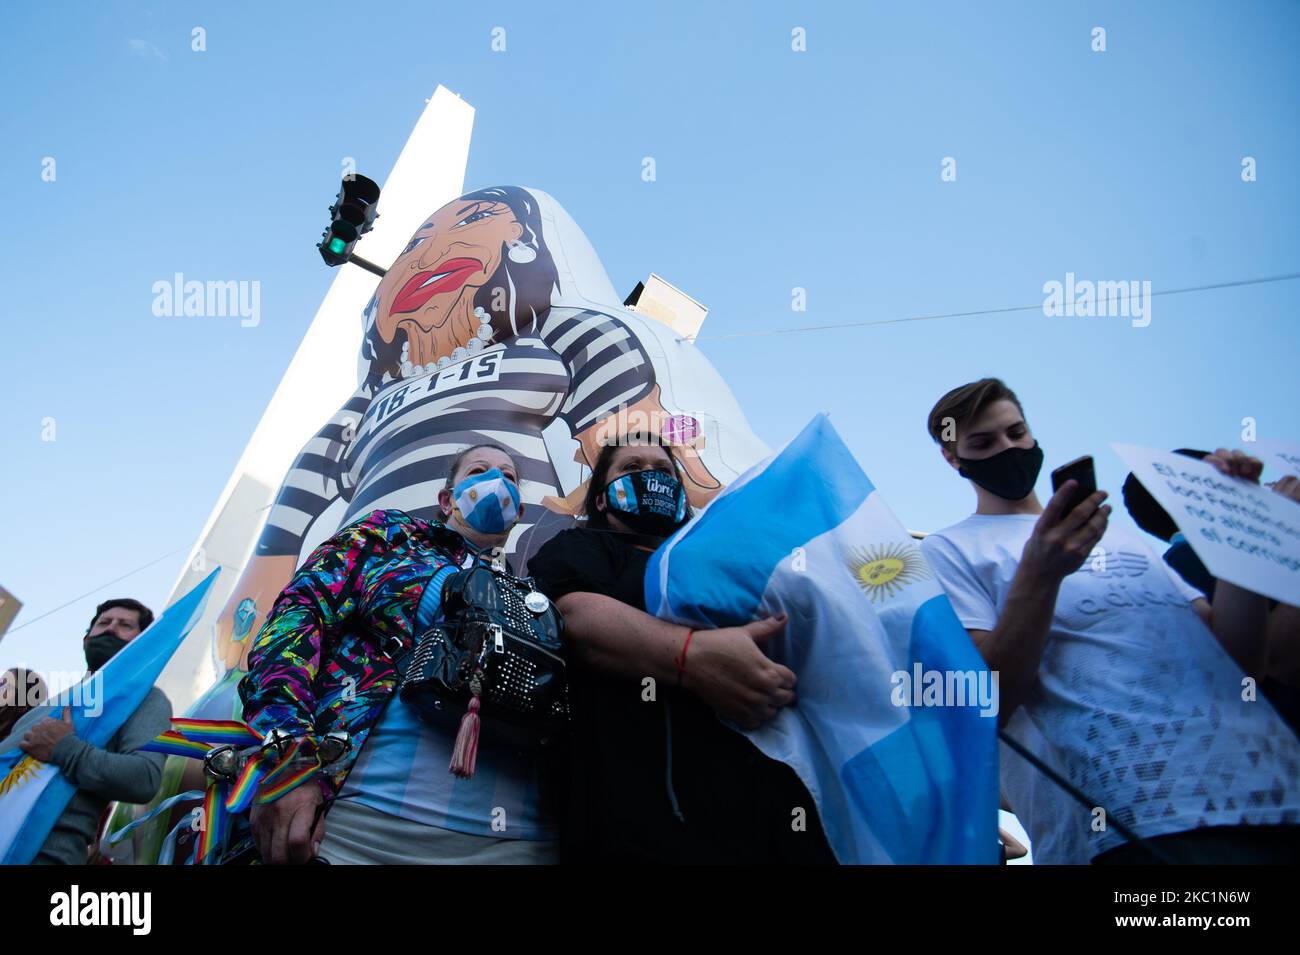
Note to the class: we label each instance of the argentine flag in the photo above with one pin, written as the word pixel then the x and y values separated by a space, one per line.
pixel 898 776
pixel 34 794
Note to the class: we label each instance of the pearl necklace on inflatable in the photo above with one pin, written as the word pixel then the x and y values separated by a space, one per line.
pixel 476 344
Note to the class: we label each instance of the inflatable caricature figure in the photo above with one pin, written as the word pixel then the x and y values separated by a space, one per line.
pixel 496 323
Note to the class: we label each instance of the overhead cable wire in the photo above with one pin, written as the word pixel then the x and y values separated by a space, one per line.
pixel 794 329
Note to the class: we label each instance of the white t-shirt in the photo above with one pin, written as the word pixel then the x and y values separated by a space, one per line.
pixel 1136 703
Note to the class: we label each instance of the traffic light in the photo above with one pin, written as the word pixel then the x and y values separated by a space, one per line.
pixel 353 213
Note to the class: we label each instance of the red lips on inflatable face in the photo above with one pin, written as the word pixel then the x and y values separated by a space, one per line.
pixel 423 286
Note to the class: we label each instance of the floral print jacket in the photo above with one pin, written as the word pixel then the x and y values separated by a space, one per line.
pixel 324 658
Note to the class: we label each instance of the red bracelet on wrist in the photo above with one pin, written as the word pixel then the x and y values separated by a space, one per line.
pixel 681 660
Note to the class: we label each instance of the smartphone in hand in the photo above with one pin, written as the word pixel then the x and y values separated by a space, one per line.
pixel 1081 470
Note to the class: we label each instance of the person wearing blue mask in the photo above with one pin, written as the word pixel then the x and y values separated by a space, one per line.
pixel 481 500
pixel 397 802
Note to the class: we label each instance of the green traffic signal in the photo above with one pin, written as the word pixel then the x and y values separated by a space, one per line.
pixel 337 245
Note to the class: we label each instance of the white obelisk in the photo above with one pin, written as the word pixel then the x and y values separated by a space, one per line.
pixel 429 172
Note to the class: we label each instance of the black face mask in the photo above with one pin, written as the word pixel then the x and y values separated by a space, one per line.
pixel 648 502
pixel 101 648
pixel 1010 474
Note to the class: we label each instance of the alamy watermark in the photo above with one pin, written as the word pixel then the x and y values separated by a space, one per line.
pixel 922 687
pixel 212 299
pixel 1088 299
pixel 86 694
pixel 75 907
pixel 628 426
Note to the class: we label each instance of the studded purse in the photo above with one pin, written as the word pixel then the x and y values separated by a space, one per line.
pixel 495 656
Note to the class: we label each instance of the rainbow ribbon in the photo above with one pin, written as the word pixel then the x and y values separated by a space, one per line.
pixel 289 782
pixel 284 764
pixel 216 822
pixel 174 744
pixel 217 732
pixel 240 793
pixel 262 779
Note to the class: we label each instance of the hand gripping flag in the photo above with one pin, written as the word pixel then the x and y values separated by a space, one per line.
pixel 34 794
pixel 897 775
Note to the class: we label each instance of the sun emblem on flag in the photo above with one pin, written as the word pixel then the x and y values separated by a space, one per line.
pixel 25 769
pixel 885 569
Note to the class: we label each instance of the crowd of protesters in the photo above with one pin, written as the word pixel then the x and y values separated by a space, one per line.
pixel 1126 672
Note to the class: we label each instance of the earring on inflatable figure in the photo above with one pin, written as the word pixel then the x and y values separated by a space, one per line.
pixel 521 253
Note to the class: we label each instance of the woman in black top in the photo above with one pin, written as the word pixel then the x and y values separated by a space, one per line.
pixel 657 777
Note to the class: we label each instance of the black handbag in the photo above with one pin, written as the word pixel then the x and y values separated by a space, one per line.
pixel 496 656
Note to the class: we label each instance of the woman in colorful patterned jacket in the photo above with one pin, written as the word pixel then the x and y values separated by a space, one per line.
pixel 323 662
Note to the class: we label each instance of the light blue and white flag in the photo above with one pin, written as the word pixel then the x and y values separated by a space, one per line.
pixel 34 794
pixel 894 731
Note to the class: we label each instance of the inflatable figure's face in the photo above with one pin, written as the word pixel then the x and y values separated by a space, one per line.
pixel 475 272
pixel 449 258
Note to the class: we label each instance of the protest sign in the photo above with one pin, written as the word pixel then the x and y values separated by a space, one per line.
pixel 1244 533
pixel 1280 458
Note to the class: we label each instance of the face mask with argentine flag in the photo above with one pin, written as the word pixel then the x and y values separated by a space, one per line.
pixel 649 502
pixel 487 502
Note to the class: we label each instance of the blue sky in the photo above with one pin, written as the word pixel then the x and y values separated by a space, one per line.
pixel 776 169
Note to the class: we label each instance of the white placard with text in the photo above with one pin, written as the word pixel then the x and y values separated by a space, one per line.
pixel 1243 532
pixel 1280 457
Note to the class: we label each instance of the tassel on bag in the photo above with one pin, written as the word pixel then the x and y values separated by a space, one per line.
pixel 464 755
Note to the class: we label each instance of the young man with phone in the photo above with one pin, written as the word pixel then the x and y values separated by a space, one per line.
pixel 1111 670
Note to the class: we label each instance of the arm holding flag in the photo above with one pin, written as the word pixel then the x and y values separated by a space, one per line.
pixel 120 771
pixel 806 532
pixel 725 668
pixel 40 801
pixel 41 738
